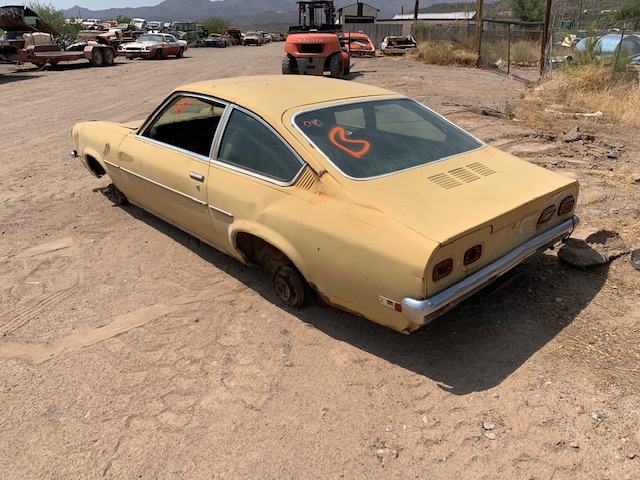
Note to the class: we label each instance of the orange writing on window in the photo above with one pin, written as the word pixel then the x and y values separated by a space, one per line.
pixel 181 105
pixel 357 148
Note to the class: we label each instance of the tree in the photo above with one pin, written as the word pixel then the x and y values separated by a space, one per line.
pixel 53 17
pixel 528 10
pixel 216 24
pixel 630 12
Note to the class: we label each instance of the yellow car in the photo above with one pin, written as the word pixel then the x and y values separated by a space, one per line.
pixel 349 192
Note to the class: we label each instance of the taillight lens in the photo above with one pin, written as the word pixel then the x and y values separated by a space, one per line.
pixel 442 269
pixel 566 205
pixel 472 255
pixel 547 214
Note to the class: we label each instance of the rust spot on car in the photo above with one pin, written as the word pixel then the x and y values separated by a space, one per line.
pixel 124 157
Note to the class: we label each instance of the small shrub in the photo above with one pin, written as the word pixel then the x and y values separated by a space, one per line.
pixel 521 52
pixel 525 52
pixel 590 55
pixel 446 54
pixel 422 31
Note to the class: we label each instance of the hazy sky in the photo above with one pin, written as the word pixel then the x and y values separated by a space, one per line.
pixel 101 4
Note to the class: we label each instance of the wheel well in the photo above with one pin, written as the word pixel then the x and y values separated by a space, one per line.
pixel 95 166
pixel 259 252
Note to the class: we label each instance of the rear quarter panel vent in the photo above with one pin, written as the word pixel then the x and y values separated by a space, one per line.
pixel 306 179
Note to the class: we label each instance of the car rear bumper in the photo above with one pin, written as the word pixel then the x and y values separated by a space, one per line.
pixel 422 312
pixel 398 51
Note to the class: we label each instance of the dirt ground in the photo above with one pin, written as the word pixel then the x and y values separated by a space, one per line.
pixel 130 350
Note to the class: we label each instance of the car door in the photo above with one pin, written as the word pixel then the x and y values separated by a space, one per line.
pixel 252 170
pixel 170 46
pixel 166 164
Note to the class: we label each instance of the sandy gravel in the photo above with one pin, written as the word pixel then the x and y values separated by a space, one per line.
pixel 130 350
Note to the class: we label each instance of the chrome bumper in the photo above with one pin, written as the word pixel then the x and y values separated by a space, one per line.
pixel 424 311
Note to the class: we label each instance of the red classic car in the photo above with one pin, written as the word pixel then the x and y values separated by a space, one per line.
pixel 359 44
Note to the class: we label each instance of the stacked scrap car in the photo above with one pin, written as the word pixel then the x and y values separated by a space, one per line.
pixel 217 40
pixel 27 38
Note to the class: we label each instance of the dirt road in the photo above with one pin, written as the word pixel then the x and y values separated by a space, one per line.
pixel 130 350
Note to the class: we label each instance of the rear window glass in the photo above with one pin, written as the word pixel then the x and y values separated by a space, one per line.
pixel 371 139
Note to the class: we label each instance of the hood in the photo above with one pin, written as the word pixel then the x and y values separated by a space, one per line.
pixel 140 44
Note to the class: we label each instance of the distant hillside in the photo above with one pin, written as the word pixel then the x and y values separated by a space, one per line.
pixel 241 12
pixel 571 7
pixel 263 12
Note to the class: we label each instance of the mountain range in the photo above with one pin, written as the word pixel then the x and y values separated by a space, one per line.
pixel 240 12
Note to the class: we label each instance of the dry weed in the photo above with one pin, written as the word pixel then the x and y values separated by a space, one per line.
pixel 446 54
pixel 591 88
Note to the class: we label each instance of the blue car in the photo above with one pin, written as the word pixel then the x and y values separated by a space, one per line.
pixel 628 45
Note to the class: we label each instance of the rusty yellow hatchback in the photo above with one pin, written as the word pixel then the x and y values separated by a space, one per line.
pixel 348 192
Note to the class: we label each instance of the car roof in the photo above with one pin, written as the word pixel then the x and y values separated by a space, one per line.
pixel 609 42
pixel 271 95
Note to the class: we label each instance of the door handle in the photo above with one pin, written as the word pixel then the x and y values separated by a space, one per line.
pixel 196 176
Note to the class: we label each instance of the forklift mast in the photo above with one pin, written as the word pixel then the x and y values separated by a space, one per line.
pixel 318 16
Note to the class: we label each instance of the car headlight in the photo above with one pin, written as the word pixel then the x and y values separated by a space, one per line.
pixel 147 48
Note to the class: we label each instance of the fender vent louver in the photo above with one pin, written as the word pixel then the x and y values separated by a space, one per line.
pixel 459 176
pixel 306 179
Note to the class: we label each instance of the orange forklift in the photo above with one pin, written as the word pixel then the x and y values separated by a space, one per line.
pixel 313 46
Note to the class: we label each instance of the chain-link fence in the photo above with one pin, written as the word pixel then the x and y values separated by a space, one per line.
pixel 503 43
pixel 453 33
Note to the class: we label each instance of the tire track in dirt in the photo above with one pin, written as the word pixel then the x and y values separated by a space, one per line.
pixel 123 323
pixel 24 313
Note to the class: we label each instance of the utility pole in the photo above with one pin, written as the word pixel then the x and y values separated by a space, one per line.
pixel 580 16
pixel 545 35
pixel 415 10
pixel 479 4
pixel 478 24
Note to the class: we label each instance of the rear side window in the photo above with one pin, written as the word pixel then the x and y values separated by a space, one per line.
pixel 249 144
pixel 188 123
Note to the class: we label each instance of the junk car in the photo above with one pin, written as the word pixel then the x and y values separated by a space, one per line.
pixel 344 192
pixel 153 45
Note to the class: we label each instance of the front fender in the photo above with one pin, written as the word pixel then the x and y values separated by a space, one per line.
pixel 97 143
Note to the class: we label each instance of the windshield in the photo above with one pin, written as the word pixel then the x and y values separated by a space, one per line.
pixel 150 38
pixel 375 138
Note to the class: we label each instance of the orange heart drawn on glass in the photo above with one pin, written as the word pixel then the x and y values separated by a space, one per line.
pixel 339 138
pixel 181 105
